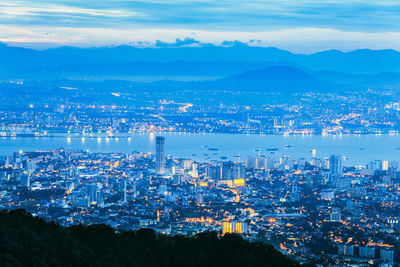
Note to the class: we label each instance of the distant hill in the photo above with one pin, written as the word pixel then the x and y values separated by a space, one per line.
pixel 139 70
pixel 30 241
pixel 281 79
pixel 277 79
pixel 385 80
pixel 286 80
pixel 238 58
pixel 239 66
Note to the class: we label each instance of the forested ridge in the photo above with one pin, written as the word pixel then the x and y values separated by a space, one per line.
pixel 26 240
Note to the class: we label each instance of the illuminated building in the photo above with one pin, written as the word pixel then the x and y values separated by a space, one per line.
pixel 235 227
pixel 239 182
pixel 384 165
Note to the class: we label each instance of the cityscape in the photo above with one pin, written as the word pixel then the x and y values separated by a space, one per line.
pixel 200 133
pixel 318 210
pixel 339 113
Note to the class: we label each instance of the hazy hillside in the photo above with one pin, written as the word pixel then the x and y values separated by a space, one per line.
pixel 359 61
pixel 280 78
pixel 206 67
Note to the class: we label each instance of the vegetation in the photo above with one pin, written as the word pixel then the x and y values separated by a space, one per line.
pixel 31 241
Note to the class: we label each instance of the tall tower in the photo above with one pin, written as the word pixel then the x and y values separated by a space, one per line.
pixel 160 154
pixel 335 164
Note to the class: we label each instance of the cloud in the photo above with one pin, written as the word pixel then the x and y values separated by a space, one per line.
pixel 43 14
pixel 233 43
pixel 227 15
pixel 330 23
pixel 18 10
pixel 303 40
pixel 178 43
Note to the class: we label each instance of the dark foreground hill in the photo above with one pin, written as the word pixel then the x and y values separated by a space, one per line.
pixel 30 241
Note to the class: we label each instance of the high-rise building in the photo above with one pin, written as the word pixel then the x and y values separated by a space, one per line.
pixel 387 254
pixel 367 252
pixel 250 162
pixel 187 164
pixel 335 164
pixel 227 170
pixel 160 155
pixel 236 227
pixel 31 166
pixel 346 250
pixel 295 196
pixel 269 163
pixel 384 165
pixel 91 190
pixel 125 196
pixel 214 172
pixel 336 215
pixel 239 171
pixel 260 162
pixel 176 179
pixel 25 180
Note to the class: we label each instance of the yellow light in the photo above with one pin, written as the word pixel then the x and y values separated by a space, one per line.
pixel 203 184
pixel 226 227
pixel 239 182
pixel 238 229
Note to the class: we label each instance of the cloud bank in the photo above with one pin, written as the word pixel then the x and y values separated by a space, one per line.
pixel 297 25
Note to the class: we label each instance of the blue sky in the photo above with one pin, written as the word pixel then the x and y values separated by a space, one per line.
pixel 297 25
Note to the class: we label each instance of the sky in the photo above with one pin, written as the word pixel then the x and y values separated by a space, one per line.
pixel 303 26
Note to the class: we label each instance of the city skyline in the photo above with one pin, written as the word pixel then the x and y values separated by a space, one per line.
pixel 200 133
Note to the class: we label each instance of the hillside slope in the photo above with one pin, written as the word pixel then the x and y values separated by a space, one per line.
pixel 30 241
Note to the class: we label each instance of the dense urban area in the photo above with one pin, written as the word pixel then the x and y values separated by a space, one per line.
pixel 122 110
pixel 317 211
pixel 193 133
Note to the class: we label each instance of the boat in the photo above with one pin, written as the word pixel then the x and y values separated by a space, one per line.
pixel 288 146
pixel 213 149
pixel 272 149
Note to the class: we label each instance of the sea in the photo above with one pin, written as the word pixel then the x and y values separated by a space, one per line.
pixel 356 149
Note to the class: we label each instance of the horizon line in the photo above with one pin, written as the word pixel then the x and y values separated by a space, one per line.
pixel 39 46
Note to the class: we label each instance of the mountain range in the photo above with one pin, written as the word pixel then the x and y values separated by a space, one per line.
pixel 209 66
